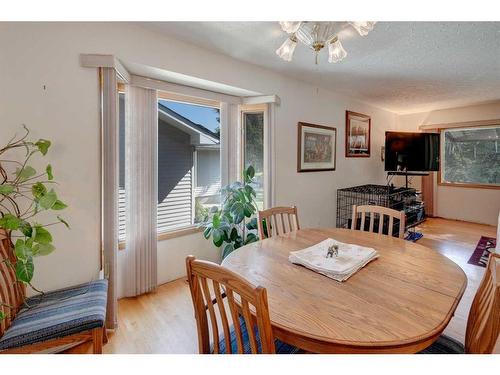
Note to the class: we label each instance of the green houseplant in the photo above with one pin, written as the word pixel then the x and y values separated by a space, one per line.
pixel 232 226
pixel 24 195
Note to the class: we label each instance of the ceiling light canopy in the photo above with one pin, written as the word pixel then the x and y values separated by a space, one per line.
pixel 317 35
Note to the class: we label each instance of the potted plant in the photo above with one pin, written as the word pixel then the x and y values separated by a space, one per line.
pixel 25 193
pixel 232 226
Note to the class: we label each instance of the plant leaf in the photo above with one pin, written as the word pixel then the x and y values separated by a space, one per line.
pixel 218 237
pixel 2 315
pixel 48 170
pixel 237 208
pixel 207 232
pixel 250 191
pixel 63 221
pixel 216 220
pixel 238 243
pixel 42 235
pixel 48 199
pixel 26 229
pixel 25 173
pixel 42 249
pixel 250 172
pixel 22 251
pixel 238 212
pixel 252 224
pixel 6 189
pixel 38 190
pixel 10 222
pixel 249 210
pixel 234 234
pixel 228 249
pixel 226 234
pixel 24 270
pixel 239 218
pixel 251 237
pixel 228 218
pixel 43 145
pixel 59 205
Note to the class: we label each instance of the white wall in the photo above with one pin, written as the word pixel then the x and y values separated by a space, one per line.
pixel 172 256
pixel 476 205
pixel 66 111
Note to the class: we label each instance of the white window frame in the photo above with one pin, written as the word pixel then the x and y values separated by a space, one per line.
pixel 251 109
pixel 180 98
pixel 268 160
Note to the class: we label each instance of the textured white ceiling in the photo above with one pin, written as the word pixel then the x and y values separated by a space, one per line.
pixel 401 66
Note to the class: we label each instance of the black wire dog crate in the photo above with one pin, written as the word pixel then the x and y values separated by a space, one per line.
pixel 381 195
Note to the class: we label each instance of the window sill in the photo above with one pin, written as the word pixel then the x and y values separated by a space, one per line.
pixel 170 234
pixel 470 186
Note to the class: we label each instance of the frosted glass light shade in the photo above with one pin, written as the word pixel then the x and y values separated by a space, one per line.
pixel 336 52
pixel 287 48
pixel 290 27
pixel 363 27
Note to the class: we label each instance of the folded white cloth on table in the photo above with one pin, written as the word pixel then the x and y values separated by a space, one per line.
pixel 350 258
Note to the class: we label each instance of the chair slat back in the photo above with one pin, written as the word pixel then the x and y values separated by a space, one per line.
pixel 209 284
pixel 483 324
pixel 497 247
pixel 278 221
pixel 371 211
pixel 12 292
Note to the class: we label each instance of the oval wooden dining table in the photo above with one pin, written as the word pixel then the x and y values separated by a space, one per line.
pixel 398 303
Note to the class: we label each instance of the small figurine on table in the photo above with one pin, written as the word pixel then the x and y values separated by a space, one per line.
pixel 333 250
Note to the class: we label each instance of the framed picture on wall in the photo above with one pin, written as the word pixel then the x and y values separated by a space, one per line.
pixel 316 148
pixel 357 135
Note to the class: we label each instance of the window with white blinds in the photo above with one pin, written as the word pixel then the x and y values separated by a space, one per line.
pixel 188 164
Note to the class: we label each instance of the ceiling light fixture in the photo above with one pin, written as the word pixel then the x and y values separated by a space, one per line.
pixel 316 35
pixel 336 51
pixel 287 48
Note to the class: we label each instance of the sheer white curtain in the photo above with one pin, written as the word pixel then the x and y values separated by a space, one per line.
pixel 141 186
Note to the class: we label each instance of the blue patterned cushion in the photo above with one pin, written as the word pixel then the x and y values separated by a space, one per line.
pixel 445 345
pixel 281 347
pixel 57 314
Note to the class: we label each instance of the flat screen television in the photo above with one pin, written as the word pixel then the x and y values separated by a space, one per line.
pixel 411 152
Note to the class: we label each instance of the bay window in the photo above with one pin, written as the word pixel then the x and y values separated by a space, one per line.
pixel 190 161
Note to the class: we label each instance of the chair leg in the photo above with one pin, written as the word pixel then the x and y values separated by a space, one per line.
pixel 97 339
pixel 105 335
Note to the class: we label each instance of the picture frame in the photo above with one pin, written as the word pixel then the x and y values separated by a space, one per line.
pixel 316 147
pixel 357 135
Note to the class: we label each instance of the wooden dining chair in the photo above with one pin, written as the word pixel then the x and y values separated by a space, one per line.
pixel 483 324
pixel 497 247
pixel 381 212
pixel 278 221
pixel 221 296
pixel 50 322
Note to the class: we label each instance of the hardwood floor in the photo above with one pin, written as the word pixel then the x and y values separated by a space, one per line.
pixel 164 323
pixel 457 240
